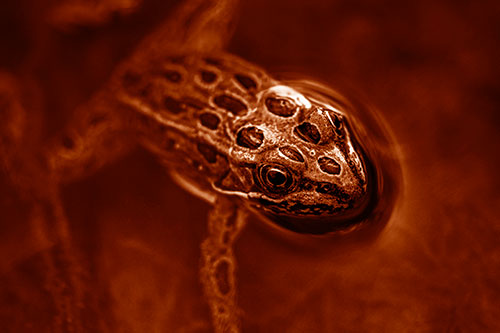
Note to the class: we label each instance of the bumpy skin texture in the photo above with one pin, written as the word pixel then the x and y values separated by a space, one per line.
pixel 227 131
pixel 227 127
pixel 236 137
pixel 230 128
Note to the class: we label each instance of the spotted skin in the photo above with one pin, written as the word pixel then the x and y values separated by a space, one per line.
pixel 236 137
pixel 246 126
pixel 226 130
pixel 233 135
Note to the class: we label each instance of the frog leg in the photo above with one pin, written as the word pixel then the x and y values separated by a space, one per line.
pixel 97 134
pixel 33 183
pixel 218 264
pixel 195 26
pixel 18 131
pixel 92 140
pixel 72 13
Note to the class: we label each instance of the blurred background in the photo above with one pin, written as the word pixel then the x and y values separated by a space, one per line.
pixel 430 67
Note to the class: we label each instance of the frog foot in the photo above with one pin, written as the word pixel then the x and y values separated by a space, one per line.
pixel 218 265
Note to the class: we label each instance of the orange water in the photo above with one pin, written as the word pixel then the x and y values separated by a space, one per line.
pixel 429 67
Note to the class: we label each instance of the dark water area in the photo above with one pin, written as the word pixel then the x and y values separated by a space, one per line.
pixel 428 69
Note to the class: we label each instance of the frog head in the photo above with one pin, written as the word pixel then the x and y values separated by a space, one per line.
pixel 302 163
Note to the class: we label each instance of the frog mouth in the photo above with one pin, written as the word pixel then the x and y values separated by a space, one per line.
pixel 294 208
pixel 314 219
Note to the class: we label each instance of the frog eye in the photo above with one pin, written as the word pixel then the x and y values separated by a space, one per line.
pixel 281 106
pixel 275 178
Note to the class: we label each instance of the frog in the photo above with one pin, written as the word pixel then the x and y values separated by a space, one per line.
pixel 226 131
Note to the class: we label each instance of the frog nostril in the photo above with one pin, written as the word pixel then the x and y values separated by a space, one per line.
pixel 307 132
pixel 250 137
pixel 329 165
pixel 337 122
